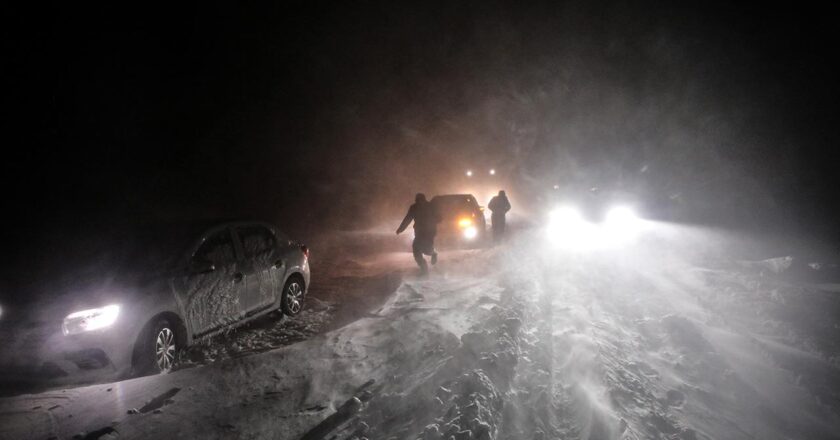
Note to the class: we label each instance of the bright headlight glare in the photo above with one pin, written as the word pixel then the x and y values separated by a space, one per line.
pixel 89 320
pixel 465 222
pixel 568 229
pixel 621 224
pixel 470 232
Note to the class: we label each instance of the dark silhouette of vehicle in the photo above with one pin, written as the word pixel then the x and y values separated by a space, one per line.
pixel 463 222
pixel 157 290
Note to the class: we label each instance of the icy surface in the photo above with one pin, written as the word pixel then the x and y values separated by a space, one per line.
pixel 522 342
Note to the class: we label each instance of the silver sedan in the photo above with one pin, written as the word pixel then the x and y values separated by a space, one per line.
pixel 176 286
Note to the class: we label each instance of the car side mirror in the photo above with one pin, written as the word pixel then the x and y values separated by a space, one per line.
pixel 201 266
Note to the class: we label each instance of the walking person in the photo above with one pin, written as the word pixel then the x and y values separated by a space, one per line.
pixel 499 206
pixel 426 218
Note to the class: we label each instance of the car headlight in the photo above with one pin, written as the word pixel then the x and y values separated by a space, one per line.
pixel 465 223
pixel 567 228
pixel 470 232
pixel 622 224
pixel 92 319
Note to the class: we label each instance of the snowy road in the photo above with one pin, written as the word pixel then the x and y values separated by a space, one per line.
pixel 672 338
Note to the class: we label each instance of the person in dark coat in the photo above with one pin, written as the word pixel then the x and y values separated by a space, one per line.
pixel 499 206
pixel 425 217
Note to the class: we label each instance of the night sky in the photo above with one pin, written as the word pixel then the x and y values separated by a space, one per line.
pixel 330 117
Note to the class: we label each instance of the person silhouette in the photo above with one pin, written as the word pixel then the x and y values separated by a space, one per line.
pixel 499 206
pixel 425 217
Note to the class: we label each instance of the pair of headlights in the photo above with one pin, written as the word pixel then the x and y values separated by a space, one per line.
pixel 91 319
pixel 569 229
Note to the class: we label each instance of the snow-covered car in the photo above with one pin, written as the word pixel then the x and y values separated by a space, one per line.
pixel 462 219
pixel 158 289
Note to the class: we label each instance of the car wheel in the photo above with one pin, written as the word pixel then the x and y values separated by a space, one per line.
pixel 292 299
pixel 158 349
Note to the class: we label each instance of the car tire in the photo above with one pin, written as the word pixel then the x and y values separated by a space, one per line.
pixel 158 349
pixel 291 301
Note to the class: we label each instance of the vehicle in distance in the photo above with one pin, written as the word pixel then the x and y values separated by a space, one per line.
pixel 593 219
pixel 462 220
pixel 167 287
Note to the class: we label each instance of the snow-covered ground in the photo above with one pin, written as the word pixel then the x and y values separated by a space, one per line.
pixel 674 337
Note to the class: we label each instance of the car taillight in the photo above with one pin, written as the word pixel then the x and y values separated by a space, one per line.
pixel 305 251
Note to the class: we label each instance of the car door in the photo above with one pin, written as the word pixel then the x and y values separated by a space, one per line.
pixel 259 266
pixel 213 286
